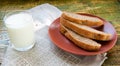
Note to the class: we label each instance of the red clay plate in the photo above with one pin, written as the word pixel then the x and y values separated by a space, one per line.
pixel 62 42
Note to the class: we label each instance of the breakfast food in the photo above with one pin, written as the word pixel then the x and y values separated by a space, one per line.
pixel 85 31
pixel 82 42
pixel 82 19
pixel 78 29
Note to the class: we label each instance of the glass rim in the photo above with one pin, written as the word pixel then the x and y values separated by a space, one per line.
pixel 15 12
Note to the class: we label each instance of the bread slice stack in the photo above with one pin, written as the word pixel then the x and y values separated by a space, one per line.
pixel 78 29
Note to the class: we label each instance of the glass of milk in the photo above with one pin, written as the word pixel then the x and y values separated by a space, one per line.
pixel 20 30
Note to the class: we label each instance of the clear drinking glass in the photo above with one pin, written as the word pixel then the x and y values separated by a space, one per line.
pixel 20 30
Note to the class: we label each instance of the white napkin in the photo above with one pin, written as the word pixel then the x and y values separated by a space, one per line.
pixel 45 13
pixel 45 53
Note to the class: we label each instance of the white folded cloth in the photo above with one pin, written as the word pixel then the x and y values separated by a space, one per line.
pixel 45 53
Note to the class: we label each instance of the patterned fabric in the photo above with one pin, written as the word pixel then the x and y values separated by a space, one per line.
pixel 46 54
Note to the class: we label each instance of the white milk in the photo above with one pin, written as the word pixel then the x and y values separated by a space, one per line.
pixel 21 31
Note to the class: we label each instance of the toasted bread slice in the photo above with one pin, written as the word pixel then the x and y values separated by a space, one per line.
pixel 85 43
pixel 82 19
pixel 86 31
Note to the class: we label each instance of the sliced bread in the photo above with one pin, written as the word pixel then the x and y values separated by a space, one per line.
pixel 85 31
pixel 82 19
pixel 85 43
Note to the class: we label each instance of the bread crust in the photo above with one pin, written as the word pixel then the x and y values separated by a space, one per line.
pixel 82 21
pixel 97 35
pixel 85 45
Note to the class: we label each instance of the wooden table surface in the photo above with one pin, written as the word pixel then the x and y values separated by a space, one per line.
pixel 107 9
